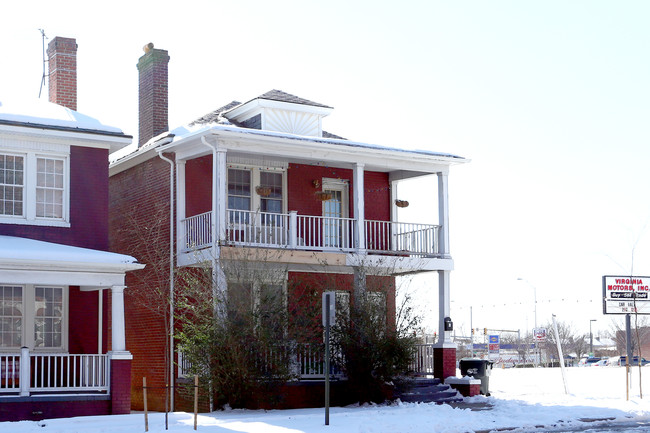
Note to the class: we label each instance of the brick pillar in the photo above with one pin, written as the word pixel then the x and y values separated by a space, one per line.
pixel 62 81
pixel 153 93
pixel 444 362
pixel 120 383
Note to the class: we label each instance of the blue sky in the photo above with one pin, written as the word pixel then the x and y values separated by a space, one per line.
pixel 548 99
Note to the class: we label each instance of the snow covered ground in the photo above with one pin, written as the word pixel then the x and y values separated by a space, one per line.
pixel 531 399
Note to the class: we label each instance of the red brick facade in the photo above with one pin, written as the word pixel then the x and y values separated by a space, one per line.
pixel 139 226
pixel 120 386
pixel 444 362
pixel 153 94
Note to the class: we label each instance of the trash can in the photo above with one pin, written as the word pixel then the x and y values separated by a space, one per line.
pixel 478 369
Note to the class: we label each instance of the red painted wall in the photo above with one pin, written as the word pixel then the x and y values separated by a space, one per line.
pixel 88 205
pixel 301 190
pixel 83 321
pixel 198 186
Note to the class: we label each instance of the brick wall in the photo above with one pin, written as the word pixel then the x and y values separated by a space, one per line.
pixel 88 205
pixel 139 226
pixel 62 62
pixel 153 94
pixel 53 407
pixel 444 362
pixel 120 386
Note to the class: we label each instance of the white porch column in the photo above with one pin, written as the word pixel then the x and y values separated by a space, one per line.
pixel 359 208
pixel 444 302
pixel 219 225
pixel 180 204
pixel 443 214
pixel 221 193
pixel 444 339
pixel 118 336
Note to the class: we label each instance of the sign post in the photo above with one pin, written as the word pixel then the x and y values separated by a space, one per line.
pixel 626 295
pixel 329 313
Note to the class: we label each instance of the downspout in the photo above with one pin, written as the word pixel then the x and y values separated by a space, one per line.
pixel 171 277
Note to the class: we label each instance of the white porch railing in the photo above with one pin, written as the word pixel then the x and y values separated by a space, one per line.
pixel 27 373
pixel 311 233
pixel 306 361
pixel 423 361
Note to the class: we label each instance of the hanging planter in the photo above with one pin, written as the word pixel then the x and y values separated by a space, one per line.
pixel 324 195
pixel 263 191
pixel 401 203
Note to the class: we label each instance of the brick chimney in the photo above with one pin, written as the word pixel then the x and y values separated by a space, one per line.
pixel 153 94
pixel 62 79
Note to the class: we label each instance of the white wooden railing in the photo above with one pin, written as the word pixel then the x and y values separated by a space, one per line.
pixel 311 233
pixel 423 361
pixel 27 373
pixel 305 361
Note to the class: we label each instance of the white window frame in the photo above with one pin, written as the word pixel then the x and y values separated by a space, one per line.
pixel 29 318
pixel 30 161
pixel 256 200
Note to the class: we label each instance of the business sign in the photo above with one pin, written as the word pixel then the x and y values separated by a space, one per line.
pixel 493 344
pixel 626 295
pixel 539 334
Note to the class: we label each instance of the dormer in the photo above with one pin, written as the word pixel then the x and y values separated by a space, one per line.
pixel 281 112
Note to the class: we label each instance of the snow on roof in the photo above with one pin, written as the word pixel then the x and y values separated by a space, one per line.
pixel 15 248
pixel 196 129
pixel 40 113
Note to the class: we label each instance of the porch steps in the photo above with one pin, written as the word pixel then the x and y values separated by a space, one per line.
pixel 425 390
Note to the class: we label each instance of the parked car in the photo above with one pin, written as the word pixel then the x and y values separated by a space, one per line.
pixel 635 361
pixel 588 362
pixel 604 362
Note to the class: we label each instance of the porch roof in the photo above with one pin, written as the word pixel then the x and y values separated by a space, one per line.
pixel 25 261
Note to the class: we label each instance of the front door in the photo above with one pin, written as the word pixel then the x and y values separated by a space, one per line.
pixel 336 225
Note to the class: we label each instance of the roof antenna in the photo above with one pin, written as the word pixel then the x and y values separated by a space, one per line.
pixel 44 62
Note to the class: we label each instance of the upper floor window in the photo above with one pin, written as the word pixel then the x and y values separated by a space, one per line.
pixel 256 189
pixel 11 184
pixel 34 189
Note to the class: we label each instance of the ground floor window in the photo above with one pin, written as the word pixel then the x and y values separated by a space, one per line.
pixel 259 304
pixel 34 316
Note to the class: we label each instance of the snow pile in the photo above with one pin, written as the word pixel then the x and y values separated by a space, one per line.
pixel 525 398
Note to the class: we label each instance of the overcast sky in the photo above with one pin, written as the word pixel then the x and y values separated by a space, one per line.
pixel 549 101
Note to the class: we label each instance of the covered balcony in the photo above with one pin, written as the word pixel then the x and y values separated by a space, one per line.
pixel 315 233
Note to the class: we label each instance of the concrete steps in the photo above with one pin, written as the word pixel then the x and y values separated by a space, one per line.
pixel 426 390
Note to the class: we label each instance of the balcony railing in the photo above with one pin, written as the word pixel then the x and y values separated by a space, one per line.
pixel 305 232
pixel 307 361
pixel 24 373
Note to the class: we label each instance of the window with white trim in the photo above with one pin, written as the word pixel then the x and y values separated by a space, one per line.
pixel 256 189
pixel 34 316
pixel 11 185
pixel 34 188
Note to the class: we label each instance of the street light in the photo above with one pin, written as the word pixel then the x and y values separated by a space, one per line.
pixel 591 338
pixel 534 294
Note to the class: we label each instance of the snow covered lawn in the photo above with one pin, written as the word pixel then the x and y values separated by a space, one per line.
pixel 520 398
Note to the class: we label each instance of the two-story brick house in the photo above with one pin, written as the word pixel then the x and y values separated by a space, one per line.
pixel 264 176
pixel 62 339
